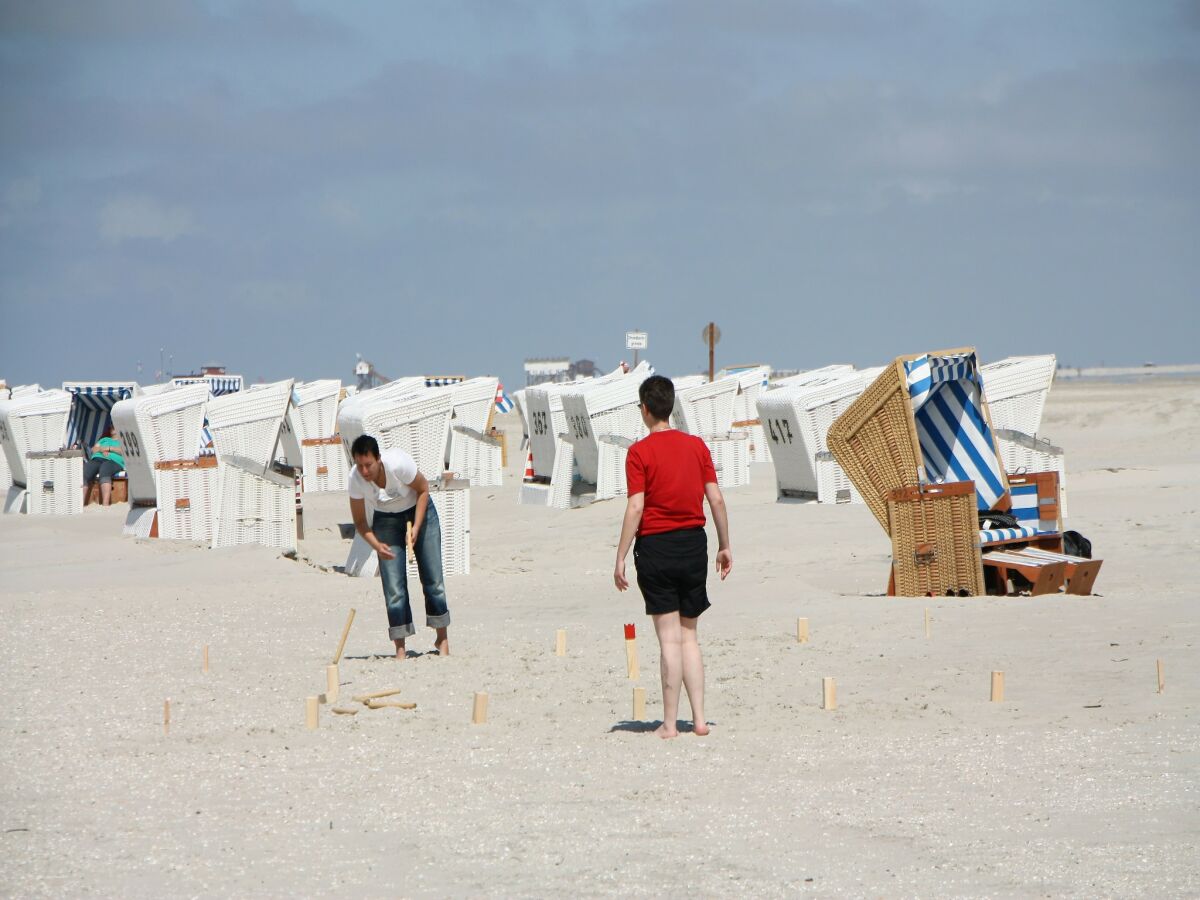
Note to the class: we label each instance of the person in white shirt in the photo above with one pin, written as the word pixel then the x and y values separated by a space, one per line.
pixel 390 485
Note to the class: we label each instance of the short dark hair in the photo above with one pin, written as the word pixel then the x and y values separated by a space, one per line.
pixel 658 396
pixel 365 444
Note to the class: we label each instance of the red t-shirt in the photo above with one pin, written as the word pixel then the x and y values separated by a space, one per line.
pixel 671 469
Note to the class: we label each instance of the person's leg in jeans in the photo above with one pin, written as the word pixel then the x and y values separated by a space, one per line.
pixel 428 551
pixel 91 469
pixel 390 529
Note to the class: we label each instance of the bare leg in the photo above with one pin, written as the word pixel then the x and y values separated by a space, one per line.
pixel 693 673
pixel 670 664
pixel 399 648
pixel 442 643
pixel 87 489
pixel 106 493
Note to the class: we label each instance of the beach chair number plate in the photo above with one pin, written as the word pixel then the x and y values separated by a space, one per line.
pixel 130 444
pixel 538 423
pixel 784 433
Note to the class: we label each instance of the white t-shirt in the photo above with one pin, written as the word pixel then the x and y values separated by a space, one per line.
pixel 399 471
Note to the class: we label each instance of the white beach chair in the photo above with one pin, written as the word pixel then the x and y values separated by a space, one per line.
pixel 1015 389
pixel 453 503
pixel 707 411
pixel 310 440
pixel 751 383
pixel 156 427
pixel 543 406
pixel 796 419
pixel 472 452
pixel 34 422
pixel 409 416
pixel 256 494
pixel 604 409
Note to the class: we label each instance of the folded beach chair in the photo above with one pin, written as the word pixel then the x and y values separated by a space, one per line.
pixel 309 439
pixel 160 425
pixel 543 406
pixel 1016 389
pixel 707 411
pixel 596 413
pixel 257 495
pixel 752 383
pixel 796 419
pixel 472 452
pixel 36 422
pixel 403 414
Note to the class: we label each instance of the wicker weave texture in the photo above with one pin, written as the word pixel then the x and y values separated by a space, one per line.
pixel 325 468
pixel 707 410
pixel 187 503
pixel 31 423
pixel 55 485
pixel 874 441
pixel 731 457
pixel 476 457
pixel 246 425
pixel 935 541
pixel 254 509
pixel 155 428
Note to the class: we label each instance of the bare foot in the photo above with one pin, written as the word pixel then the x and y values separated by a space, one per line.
pixel 700 728
pixel 442 644
pixel 400 650
pixel 663 732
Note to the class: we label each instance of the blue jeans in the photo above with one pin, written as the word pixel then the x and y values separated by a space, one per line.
pixel 391 529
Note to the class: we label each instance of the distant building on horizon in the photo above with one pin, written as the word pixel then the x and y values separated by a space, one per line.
pixel 557 370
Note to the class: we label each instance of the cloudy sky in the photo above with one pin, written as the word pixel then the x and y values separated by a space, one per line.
pixel 454 186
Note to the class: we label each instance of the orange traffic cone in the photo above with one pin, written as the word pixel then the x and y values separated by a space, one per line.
pixel 528 467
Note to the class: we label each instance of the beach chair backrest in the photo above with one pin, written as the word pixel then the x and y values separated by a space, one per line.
pixel 707 410
pixel 155 428
pixel 31 423
pixel 246 425
pixel 1016 389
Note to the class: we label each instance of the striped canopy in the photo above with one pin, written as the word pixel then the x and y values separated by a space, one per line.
pixel 218 385
pixel 91 408
pixel 956 441
pixel 503 401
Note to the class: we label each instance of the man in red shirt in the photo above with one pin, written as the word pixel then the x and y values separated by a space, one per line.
pixel 668 475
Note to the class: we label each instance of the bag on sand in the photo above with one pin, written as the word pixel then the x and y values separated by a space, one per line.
pixel 1075 544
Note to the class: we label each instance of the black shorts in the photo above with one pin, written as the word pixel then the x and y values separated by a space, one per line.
pixel 672 568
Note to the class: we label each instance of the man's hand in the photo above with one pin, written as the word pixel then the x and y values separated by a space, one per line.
pixel 619 576
pixel 384 551
pixel 724 563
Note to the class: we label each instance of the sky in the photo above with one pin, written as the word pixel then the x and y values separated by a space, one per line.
pixel 452 187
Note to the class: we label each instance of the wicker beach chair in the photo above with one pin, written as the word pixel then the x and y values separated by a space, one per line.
pixel 752 383
pixel 36 422
pixel 472 451
pixel 707 410
pixel 309 439
pixel 1016 389
pixel 604 409
pixel 158 426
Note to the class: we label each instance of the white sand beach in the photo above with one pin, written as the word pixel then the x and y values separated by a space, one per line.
pixel 1083 782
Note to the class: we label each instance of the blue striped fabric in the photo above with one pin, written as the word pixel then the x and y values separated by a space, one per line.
pixel 1027 511
pixel 503 401
pixel 956 442
pixel 1005 534
pixel 91 407
pixel 432 381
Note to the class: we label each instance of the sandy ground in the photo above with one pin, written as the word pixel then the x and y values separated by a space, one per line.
pixel 1083 782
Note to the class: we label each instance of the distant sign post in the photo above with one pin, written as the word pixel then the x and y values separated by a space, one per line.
pixel 710 335
pixel 635 341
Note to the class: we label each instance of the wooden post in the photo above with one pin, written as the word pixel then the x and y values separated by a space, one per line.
pixel 639 704
pixel 479 710
pixel 828 694
pixel 927 621
pixel 1162 681
pixel 408 540
pixel 560 642
pixel 631 660
pixel 205 666
pixel 312 708
pixel 167 716
pixel 802 631
pixel 331 683
pixel 997 687
pixel 712 342
pixel 337 657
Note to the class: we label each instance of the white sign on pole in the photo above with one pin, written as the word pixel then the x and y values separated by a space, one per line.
pixel 636 340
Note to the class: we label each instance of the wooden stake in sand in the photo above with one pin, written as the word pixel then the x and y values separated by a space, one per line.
pixel 639 704
pixel 337 657
pixel 331 683
pixel 167 716
pixel 631 661
pixel 312 709
pixel 204 667
pixel 927 621
pixel 1162 681
pixel 560 642
pixel 802 631
pixel 479 710
pixel 408 540
pixel 828 694
pixel 997 687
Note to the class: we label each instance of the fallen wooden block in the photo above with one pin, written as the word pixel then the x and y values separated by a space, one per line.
pixel 394 704
pixel 363 698
pixel 345 710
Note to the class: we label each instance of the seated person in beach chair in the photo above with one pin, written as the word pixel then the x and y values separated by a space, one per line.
pixel 105 462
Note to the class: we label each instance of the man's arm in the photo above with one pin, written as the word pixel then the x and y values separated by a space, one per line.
pixel 629 527
pixel 716 503
pixel 420 484
pixel 358 509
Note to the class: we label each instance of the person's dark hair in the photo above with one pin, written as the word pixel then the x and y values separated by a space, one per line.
pixel 363 445
pixel 658 396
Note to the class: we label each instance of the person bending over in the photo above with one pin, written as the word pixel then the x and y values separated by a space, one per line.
pixel 669 474
pixel 106 462
pixel 390 485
